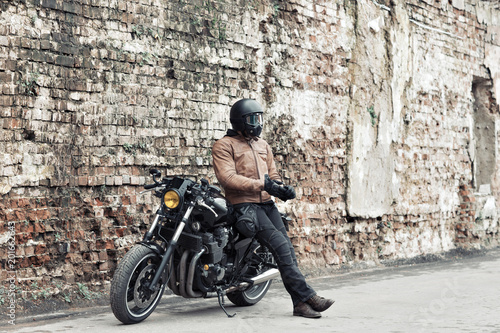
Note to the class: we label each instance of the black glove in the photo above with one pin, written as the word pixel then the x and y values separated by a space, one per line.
pixel 274 188
pixel 289 193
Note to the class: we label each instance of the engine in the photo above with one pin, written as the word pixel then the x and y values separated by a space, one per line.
pixel 213 263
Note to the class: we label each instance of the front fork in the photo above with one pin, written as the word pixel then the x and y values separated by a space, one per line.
pixel 149 235
pixel 171 245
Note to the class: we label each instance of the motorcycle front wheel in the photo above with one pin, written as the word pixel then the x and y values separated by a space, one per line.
pixel 131 299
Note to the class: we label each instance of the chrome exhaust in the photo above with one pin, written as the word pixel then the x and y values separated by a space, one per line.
pixel 172 281
pixel 270 274
pixel 182 274
pixel 190 275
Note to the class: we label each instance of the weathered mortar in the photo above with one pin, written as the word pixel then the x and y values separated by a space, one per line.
pixel 369 109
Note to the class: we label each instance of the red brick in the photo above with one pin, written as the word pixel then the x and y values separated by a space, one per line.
pixel 39 249
pixel 83 180
pixel 43 214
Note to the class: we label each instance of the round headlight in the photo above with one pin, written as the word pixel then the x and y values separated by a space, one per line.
pixel 171 199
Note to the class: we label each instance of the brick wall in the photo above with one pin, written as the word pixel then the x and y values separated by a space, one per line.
pixel 369 109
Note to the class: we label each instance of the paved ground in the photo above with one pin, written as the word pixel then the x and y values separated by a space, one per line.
pixel 446 296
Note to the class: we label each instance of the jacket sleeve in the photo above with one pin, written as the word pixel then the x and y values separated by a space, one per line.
pixel 225 170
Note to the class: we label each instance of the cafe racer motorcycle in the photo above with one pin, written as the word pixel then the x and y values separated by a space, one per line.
pixel 193 249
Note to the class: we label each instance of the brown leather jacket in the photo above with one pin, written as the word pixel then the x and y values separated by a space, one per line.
pixel 240 165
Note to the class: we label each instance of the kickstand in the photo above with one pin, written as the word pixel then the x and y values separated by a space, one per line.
pixel 220 296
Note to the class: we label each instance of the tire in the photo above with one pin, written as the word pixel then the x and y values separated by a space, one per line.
pixel 256 292
pixel 131 300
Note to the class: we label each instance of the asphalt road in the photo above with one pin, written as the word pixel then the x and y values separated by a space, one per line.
pixel 445 296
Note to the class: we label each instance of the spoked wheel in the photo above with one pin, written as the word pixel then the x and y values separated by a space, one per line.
pixel 131 299
pixel 256 292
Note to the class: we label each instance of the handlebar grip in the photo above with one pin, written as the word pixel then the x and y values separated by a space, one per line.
pixel 150 186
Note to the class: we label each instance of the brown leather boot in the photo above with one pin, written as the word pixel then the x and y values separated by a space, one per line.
pixel 319 304
pixel 305 310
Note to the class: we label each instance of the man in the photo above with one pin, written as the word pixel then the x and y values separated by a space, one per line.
pixel 245 167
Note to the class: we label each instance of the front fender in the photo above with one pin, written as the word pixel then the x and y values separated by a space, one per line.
pixel 153 246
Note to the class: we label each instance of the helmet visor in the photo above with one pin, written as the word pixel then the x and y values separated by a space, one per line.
pixel 254 119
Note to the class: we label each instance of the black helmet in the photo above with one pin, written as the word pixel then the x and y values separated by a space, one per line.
pixel 246 116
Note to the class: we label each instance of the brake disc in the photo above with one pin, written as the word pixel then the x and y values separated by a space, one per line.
pixel 143 296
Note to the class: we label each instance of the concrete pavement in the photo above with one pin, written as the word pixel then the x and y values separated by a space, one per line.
pixel 445 296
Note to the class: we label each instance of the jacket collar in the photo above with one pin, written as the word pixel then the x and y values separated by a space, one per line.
pixel 232 133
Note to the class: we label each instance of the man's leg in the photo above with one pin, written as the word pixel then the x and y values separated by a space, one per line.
pixel 280 246
pixel 316 302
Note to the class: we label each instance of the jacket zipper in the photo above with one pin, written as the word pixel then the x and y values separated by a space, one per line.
pixel 256 167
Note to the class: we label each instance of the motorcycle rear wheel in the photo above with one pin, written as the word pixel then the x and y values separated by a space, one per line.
pixel 256 292
pixel 130 298
pixel 250 296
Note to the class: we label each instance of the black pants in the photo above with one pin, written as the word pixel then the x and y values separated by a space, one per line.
pixel 272 234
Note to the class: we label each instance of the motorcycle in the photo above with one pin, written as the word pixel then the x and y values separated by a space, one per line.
pixel 193 248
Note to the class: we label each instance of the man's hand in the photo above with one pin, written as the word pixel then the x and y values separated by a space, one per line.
pixel 289 193
pixel 274 188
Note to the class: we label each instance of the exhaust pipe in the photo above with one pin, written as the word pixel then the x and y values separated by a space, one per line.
pixel 172 282
pixel 182 274
pixel 270 274
pixel 190 275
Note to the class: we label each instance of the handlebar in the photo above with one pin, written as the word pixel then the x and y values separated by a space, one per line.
pixel 218 206
pixel 200 202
